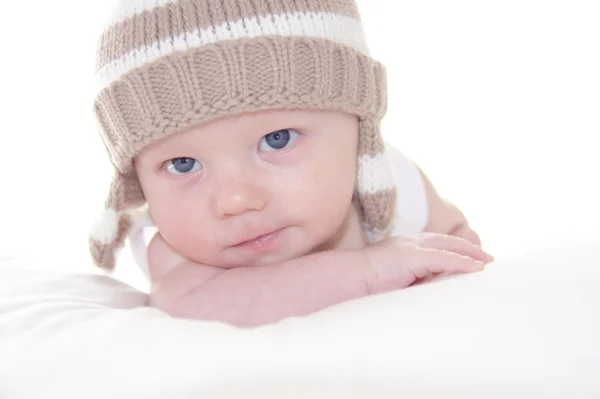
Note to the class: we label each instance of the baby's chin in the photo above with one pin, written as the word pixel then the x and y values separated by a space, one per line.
pixel 262 261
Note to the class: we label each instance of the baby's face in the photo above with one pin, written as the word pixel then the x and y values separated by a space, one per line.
pixel 253 189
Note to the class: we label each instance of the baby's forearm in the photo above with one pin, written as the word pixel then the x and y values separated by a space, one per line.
pixel 250 296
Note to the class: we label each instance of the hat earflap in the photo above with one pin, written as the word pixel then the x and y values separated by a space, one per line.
pixel 375 186
pixel 111 229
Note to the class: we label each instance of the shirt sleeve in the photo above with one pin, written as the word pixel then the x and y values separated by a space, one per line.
pixel 411 205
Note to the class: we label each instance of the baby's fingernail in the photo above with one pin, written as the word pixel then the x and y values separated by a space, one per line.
pixel 488 257
pixel 479 265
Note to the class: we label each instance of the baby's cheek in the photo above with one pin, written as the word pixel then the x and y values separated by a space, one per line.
pixel 323 207
pixel 191 240
pixel 179 226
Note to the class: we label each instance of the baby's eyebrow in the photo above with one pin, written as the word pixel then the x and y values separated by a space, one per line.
pixel 155 155
pixel 171 149
pixel 145 162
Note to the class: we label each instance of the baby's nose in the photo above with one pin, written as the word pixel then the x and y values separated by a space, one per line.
pixel 235 196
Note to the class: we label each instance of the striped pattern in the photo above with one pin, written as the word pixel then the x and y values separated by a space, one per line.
pixel 374 174
pixel 236 9
pixel 165 65
pixel 329 26
pixel 142 31
pixel 125 10
pixel 150 22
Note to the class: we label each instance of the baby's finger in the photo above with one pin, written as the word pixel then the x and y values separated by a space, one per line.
pixel 439 261
pixel 468 234
pixel 457 245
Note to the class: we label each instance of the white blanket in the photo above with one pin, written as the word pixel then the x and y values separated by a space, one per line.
pixel 526 327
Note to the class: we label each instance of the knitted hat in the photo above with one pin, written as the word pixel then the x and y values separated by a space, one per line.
pixel 164 65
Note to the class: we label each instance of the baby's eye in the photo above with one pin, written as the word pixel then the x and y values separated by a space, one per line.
pixel 277 140
pixel 182 166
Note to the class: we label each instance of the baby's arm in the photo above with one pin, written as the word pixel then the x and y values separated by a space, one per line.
pixel 444 217
pixel 420 208
pixel 250 296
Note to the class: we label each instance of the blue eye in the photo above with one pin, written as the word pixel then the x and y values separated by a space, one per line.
pixel 182 166
pixel 277 140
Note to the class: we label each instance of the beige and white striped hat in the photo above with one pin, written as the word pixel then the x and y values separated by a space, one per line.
pixel 164 65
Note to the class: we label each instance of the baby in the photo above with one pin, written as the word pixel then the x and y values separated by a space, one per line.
pixel 250 130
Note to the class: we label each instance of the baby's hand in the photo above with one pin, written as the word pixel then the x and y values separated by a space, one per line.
pixel 398 262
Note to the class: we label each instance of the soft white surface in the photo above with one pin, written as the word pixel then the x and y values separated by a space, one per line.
pixel 525 327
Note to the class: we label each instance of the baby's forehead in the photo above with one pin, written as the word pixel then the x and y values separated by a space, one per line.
pixel 266 116
pixel 231 124
pixel 262 122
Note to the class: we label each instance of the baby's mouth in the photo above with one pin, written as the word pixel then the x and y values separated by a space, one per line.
pixel 262 241
pixel 255 239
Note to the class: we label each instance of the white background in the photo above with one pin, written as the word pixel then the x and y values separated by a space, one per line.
pixel 498 102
